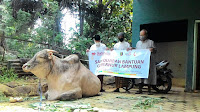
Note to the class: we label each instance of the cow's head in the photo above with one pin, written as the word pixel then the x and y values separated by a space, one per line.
pixel 40 64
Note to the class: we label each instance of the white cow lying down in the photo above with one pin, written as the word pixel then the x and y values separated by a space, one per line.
pixel 67 78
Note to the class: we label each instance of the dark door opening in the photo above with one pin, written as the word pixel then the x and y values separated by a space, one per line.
pixel 198 58
pixel 167 31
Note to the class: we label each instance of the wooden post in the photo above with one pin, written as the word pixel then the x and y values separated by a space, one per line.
pixel 9 65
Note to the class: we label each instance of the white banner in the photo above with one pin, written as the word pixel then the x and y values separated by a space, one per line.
pixel 121 63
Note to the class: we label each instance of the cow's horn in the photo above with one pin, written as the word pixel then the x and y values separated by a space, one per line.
pixel 53 51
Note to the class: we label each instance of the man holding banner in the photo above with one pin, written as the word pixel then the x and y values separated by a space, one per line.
pixel 120 62
pixel 145 43
pixel 121 45
pixel 98 46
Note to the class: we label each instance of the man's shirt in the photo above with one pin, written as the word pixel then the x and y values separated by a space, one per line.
pixel 145 45
pixel 121 45
pixel 101 47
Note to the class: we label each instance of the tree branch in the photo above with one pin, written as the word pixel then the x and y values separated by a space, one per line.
pixel 100 1
pixel 108 3
pixel 34 42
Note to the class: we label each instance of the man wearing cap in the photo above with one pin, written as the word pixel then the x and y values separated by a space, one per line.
pixel 121 45
pixel 98 46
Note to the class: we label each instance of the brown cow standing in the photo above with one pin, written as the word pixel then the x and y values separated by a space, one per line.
pixel 67 78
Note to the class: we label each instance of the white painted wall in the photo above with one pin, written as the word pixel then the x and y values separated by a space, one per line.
pixel 175 53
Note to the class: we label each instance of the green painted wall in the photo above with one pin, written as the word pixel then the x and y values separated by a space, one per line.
pixel 155 11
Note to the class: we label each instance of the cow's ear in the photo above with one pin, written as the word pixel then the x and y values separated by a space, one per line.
pixel 53 51
pixel 50 55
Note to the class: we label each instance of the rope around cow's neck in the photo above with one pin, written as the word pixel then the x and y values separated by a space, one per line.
pixel 40 87
pixel 40 92
pixel 51 67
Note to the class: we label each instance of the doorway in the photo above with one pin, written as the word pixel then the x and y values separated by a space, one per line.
pixel 198 56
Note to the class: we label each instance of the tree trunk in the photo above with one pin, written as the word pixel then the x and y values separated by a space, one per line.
pixel 82 22
pixel 100 1
pixel 2 40
pixel 81 16
pixel 57 30
pixel 2 45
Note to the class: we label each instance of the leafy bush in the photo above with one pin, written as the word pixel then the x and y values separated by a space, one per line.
pixel 7 75
pixel 79 45
pixel 3 97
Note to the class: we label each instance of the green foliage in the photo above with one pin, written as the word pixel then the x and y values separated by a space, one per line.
pixel 62 107
pixel 7 75
pixel 23 30
pixel 48 31
pixel 117 17
pixel 147 103
pixel 79 45
pixel 24 49
pixel 10 56
pixel 107 22
pixel 3 97
pixel 9 24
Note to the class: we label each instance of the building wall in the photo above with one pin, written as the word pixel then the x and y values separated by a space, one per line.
pixel 155 11
pixel 175 53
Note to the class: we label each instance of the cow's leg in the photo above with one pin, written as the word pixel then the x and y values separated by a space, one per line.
pixel 46 95
pixel 71 94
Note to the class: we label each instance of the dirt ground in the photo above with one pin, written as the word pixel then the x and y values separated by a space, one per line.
pixel 175 101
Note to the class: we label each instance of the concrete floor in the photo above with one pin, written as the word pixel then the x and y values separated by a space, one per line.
pixel 175 101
